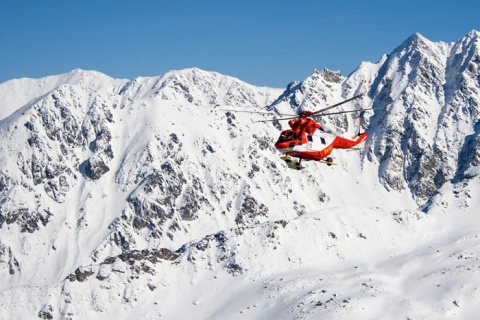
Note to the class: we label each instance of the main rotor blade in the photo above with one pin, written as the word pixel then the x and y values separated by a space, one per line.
pixel 340 112
pixel 318 115
pixel 338 104
pixel 272 120
pixel 260 112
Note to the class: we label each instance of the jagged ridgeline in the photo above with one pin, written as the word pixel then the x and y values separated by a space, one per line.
pixel 111 181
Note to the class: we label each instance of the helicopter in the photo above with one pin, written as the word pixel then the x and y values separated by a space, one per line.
pixel 307 141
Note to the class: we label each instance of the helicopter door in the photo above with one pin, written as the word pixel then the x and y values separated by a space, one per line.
pixel 310 142
pixel 322 140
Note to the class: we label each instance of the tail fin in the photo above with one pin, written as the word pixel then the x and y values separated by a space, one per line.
pixel 359 120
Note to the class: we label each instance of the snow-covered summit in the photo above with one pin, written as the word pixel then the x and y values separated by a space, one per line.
pixel 422 129
pixel 19 92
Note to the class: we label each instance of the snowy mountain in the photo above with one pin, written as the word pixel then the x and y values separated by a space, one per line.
pixel 146 198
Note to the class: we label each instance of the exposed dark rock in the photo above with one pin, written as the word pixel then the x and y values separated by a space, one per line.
pixel 234 268
pixel 151 286
pixel 28 220
pixel 5 182
pixel 95 167
pixel 81 274
pixel 109 260
pixel 153 255
pixel 7 257
pixel 192 200
pixel 102 277
pixel 250 210
pixel 45 315
pixel 332 76
pixel 283 223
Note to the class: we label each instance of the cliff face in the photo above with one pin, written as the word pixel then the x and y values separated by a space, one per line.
pixel 430 121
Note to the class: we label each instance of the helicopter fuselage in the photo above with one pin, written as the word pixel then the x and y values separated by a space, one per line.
pixel 306 142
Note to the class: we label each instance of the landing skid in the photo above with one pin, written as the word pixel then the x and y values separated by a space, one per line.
pixel 292 164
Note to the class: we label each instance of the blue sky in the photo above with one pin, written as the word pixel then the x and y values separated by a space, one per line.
pixel 263 42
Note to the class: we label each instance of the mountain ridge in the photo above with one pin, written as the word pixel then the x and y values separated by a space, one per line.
pixel 124 191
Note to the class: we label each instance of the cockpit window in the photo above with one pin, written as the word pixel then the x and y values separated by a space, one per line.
pixel 287 135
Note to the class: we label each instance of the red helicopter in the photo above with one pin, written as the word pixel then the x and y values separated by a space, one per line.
pixel 306 140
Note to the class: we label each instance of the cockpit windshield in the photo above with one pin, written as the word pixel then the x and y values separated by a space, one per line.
pixel 289 135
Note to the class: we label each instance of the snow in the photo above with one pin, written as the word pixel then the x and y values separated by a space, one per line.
pixel 339 242
pixel 418 267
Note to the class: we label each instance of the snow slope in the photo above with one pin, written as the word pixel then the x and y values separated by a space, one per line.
pixel 146 198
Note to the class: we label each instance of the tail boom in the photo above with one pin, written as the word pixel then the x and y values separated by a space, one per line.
pixel 337 143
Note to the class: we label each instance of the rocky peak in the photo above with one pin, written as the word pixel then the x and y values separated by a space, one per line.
pixel 419 87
